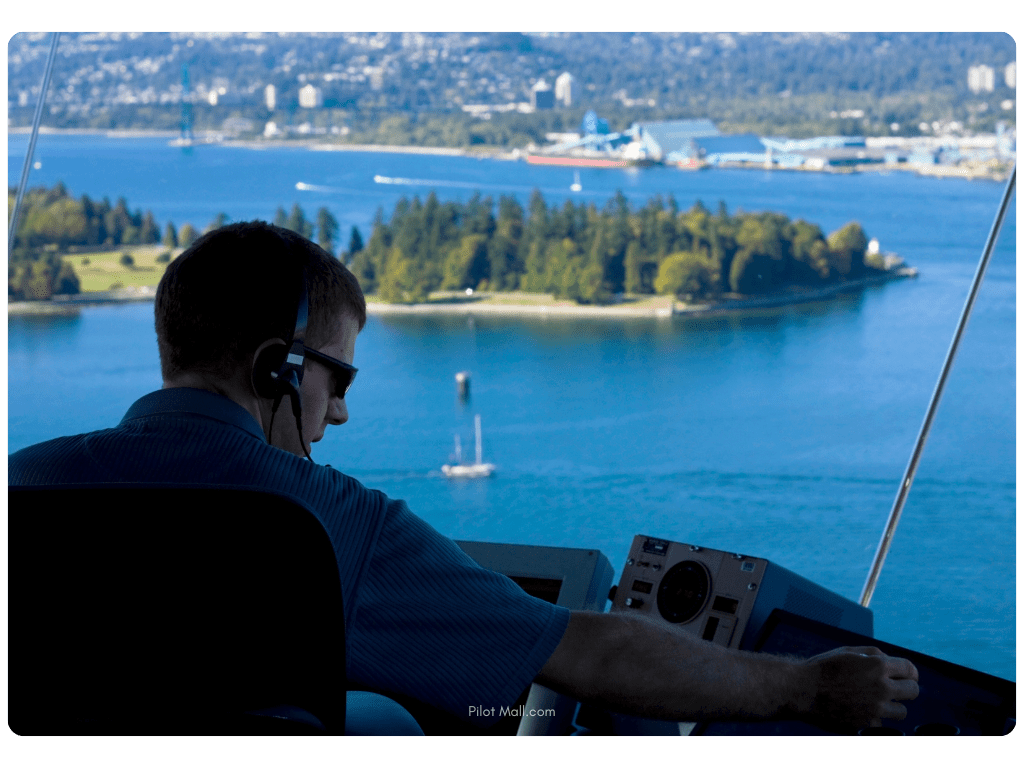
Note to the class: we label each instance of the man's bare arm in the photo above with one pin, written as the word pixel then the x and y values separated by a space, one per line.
pixel 636 666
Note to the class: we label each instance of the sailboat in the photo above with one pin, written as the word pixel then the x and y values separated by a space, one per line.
pixel 477 469
pixel 576 186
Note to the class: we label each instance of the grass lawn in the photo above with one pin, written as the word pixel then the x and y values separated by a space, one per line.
pixel 521 298
pixel 103 270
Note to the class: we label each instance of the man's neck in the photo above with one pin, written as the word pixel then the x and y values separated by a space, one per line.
pixel 233 390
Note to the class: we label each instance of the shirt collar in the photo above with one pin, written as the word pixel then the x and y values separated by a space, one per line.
pixel 200 402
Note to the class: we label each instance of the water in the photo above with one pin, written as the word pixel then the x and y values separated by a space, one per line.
pixel 781 433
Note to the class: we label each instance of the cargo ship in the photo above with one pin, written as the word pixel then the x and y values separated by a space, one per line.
pixel 582 161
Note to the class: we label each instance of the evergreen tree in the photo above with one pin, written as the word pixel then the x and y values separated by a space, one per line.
pixel 619 234
pixel 117 221
pixel 327 230
pixel 297 222
pixel 759 264
pixel 480 215
pixel 355 242
pixel 170 235
pixel 131 235
pixel 592 289
pixel 149 232
pixel 632 282
pixel 66 281
pixel 809 251
pixel 847 247
pixel 187 235
pixel 220 220
pixel 533 275
pixel 466 264
pixel 535 232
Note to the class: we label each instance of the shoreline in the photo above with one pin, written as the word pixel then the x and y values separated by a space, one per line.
pixel 674 308
pixel 316 144
pixel 69 305
pixel 313 143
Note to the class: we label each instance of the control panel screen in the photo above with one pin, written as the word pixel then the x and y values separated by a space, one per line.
pixel 545 589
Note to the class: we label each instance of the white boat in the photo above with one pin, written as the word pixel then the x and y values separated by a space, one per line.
pixel 576 186
pixel 478 468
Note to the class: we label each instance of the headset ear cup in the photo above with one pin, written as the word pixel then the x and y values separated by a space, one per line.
pixel 267 362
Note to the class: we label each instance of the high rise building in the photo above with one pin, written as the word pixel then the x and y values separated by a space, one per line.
pixel 541 96
pixel 270 96
pixel 1010 74
pixel 566 89
pixel 310 97
pixel 981 78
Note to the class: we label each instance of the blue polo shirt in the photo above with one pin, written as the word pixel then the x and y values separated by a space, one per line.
pixel 422 619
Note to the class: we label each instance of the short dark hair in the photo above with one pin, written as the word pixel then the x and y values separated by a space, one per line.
pixel 238 286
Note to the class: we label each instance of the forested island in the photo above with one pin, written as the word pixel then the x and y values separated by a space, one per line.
pixel 596 257
pixel 575 252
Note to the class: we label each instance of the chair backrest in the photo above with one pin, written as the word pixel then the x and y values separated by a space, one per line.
pixel 146 609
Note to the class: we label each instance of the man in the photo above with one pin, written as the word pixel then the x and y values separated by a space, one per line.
pixel 257 330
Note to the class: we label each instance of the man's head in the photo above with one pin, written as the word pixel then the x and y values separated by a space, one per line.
pixel 233 296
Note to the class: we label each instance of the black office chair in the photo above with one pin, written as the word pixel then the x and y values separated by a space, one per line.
pixel 168 610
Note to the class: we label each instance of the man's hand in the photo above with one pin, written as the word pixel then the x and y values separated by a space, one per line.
pixel 856 687
pixel 645 668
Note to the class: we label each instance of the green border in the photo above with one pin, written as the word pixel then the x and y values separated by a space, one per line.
pixel 461 14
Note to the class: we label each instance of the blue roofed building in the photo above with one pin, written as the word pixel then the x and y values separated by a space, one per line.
pixel 786 145
pixel 673 141
pixel 742 148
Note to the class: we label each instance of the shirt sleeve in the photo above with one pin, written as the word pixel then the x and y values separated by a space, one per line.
pixel 432 624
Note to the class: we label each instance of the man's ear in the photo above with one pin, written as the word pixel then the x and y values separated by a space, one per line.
pixel 267 358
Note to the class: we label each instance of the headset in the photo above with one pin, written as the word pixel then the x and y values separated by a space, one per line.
pixel 278 368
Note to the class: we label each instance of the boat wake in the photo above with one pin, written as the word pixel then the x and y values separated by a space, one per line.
pixel 431 182
pixel 400 181
pixel 304 187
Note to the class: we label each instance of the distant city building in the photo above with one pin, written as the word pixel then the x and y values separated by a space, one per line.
pixel 734 148
pixel 542 97
pixel 310 97
pixel 1010 74
pixel 270 96
pixel 592 124
pixel 376 77
pixel 567 90
pixel 674 140
pixel 238 125
pixel 981 78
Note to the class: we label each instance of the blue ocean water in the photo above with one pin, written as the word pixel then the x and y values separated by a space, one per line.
pixel 780 433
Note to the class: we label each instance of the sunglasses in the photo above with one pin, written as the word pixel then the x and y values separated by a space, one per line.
pixel 344 374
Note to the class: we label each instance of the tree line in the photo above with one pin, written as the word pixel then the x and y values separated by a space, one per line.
pixel 591 256
pixel 52 222
pixel 573 251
